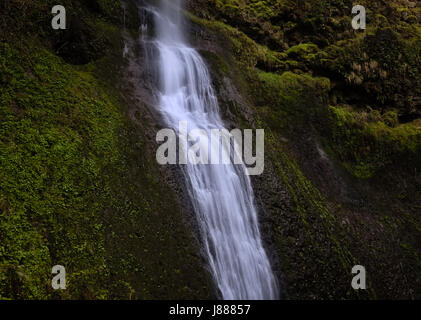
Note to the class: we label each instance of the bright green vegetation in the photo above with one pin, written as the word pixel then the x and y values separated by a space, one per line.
pixel 374 73
pixel 377 68
pixel 57 137
pixel 380 140
pixel 79 184
pixel 313 84
pixel 365 142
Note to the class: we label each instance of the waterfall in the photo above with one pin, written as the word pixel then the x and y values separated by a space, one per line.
pixel 222 195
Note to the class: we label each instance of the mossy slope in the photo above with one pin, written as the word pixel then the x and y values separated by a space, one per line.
pixel 341 185
pixel 79 185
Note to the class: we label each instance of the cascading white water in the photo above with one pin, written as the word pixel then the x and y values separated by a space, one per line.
pixel 222 195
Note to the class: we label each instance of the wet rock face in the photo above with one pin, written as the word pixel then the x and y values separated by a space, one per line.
pixel 317 215
pixel 140 84
pixel 93 6
pixel 80 43
pixel 83 41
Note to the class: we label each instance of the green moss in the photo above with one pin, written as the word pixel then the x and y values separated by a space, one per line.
pixel 80 187
pixel 110 8
pixel 58 133
pixel 246 51
pixel 302 50
pixel 293 99
pixel 318 239
pixel 365 144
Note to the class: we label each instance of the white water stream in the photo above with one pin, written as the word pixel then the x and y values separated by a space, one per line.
pixel 222 195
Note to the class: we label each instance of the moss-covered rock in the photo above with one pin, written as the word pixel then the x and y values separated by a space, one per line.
pixel 341 108
pixel 341 163
pixel 79 184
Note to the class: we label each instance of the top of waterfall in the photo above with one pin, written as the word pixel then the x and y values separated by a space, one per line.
pixel 170 21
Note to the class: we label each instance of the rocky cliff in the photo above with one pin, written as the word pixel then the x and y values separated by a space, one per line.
pixel 341 111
